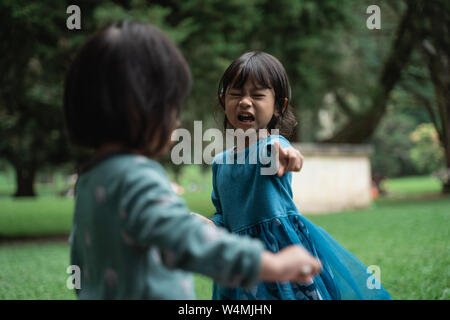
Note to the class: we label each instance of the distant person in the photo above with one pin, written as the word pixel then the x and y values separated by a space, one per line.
pixel 255 94
pixel 132 236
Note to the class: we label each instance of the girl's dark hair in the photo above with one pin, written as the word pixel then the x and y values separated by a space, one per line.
pixel 126 86
pixel 266 71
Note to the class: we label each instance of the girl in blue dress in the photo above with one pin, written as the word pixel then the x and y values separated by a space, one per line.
pixel 255 95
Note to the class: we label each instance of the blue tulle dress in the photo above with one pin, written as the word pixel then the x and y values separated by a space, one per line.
pixel 258 205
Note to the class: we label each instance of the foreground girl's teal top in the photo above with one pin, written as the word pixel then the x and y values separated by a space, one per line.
pixel 133 237
pixel 261 206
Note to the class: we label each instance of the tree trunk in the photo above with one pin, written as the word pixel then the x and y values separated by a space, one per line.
pixel 446 187
pixel 361 127
pixel 446 144
pixel 25 176
pixel 435 48
pixel 446 140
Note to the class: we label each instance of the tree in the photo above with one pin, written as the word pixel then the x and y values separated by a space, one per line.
pixel 360 126
pixel 392 145
pixel 320 43
pixel 424 29
pixel 293 31
pixel 31 64
pixel 435 48
pixel 36 51
pixel 426 153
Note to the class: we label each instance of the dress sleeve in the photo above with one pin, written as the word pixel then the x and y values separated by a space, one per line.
pixel 280 139
pixel 218 216
pixel 155 216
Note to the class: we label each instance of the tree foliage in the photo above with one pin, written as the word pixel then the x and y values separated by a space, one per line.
pixel 337 67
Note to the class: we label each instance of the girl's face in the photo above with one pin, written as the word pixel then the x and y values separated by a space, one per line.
pixel 250 107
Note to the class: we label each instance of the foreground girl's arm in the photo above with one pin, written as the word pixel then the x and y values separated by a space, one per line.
pixel 156 218
pixel 293 263
pixel 202 218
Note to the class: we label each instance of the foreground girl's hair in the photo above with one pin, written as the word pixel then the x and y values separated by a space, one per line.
pixel 126 87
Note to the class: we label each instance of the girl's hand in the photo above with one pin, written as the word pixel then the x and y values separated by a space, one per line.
pixel 289 159
pixel 293 263
pixel 202 218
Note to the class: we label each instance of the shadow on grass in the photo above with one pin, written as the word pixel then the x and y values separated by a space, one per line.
pixel 37 239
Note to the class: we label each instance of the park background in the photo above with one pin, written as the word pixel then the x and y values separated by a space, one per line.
pixel 387 87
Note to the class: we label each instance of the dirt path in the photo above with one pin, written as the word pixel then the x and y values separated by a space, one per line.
pixel 7 240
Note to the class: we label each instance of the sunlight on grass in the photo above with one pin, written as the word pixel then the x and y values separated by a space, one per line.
pixel 412 185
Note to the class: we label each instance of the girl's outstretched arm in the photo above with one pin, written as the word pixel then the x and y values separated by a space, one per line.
pixel 288 159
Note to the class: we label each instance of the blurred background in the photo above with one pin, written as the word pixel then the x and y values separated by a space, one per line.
pixel 386 88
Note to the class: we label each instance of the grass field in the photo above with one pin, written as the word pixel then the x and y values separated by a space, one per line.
pixel 405 234
pixel 412 186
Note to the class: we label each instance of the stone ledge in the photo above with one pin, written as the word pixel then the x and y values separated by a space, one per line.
pixel 334 149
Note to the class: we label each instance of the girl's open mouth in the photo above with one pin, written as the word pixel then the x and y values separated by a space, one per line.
pixel 246 117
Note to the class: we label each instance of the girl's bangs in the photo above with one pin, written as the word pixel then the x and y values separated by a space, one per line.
pixel 250 69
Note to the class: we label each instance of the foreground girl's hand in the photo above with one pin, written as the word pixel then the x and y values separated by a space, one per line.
pixel 293 264
pixel 202 218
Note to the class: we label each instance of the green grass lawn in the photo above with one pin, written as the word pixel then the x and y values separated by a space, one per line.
pixel 38 271
pixel 408 238
pixel 39 216
pixel 412 186
pixel 52 214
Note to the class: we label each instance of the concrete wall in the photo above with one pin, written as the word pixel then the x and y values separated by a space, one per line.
pixel 333 178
